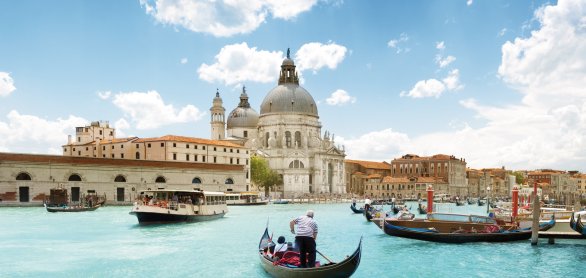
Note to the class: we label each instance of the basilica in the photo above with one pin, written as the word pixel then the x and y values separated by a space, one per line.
pixel 287 133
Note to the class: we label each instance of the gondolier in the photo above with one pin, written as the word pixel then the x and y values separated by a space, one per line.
pixel 305 238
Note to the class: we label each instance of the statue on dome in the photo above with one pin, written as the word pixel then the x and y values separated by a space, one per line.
pixel 288 53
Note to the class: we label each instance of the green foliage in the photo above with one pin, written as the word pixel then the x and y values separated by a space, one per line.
pixel 519 177
pixel 262 175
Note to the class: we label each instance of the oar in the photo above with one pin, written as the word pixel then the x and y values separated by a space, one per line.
pixel 330 261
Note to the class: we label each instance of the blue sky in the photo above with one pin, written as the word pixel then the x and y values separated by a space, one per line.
pixel 499 83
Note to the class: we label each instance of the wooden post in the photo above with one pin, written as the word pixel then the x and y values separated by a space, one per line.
pixel 515 202
pixel 430 199
pixel 536 214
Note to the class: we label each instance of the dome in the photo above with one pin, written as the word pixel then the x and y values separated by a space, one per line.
pixel 243 115
pixel 289 98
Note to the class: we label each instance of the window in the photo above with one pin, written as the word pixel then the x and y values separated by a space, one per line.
pixel 23 177
pixel 231 150
pixel 229 181
pixel 78 152
pixel 122 146
pixel 195 157
pixel 162 144
pixel 214 159
pixel 237 151
pixel 112 147
pixel 237 160
pixel 288 139
pixel 111 133
pixel 203 147
pixel 100 132
pixel 245 133
pixel 174 145
pixel 296 164
pixel 224 149
pixel 149 145
pixel 73 149
pixel 137 155
pixel 103 148
pixel 203 158
pixel 86 148
pixel 297 139
pixel 160 179
pixel 231 161
pixel 104 155
pixel 187 157
pixel 247 161
pixel 195 147
pixel 196 180
pixel 174 156
pixel 112 155
pixel 121 155
pixel 187 146
pixel 74 177
pixel 78 139
pixel 120 178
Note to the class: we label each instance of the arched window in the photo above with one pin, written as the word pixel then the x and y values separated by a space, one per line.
pixel 196 180
pixel 74 177
pixel 137 155
pixel 23 177
pixel 297 139
pixel 160 179
pixel 120 178
pixel 267 140
pixel 296 164
pixel 288 139
pixel 229 181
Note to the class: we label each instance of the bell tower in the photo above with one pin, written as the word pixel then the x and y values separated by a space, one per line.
pixel 218 121
pixel 288 73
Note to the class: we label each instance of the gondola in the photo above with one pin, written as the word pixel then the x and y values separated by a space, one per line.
pixel 344 268
pixel 369 214
pixel 577 225
pixel 480 203
pixel 356 210
pixel 429 234
pixel 459 203
pixel 470 201
pixel 70 209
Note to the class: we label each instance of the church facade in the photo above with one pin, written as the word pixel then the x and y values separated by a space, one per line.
pixel 287 132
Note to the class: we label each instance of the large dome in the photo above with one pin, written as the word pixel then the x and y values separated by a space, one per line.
pixel 288 98
pixel 243 115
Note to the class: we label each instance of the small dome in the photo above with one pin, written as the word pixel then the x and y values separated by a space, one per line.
pixel 289 98
pixel 242 117
pixel 288 62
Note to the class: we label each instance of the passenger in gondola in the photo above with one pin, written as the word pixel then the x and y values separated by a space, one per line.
pixel 354 201
pixel 280 248
pixel 305 238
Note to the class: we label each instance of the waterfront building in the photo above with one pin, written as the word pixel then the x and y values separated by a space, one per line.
pixel 359 171
pixel 580 181
pixel 446 170
pixel 287 133
pixel 556 184
pixel 28 178
pixel 491 182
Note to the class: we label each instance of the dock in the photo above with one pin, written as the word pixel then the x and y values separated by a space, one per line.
pixel 551 236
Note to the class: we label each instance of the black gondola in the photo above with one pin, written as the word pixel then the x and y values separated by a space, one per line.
pixel 356 210
pixel 577 225
pixel 470 201
pixel 462 237
pixel 480 203
pixel 459 203
pixel 344 268
pixel 368 213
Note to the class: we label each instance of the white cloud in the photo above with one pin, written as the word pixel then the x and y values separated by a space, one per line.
pixel 340 97
pixel 376 146
pixel 31 134
pixel 440 45
pixel 397 44
pixel 426 88
pixel 315 56
pixel 237 63
pixel 148 110
pixel 444 61
pixel 452 81
pixel 6 84
pixel 223 18
pixel 469 2
pixel 104 95
pixel 183 61
pixel 547 129
pixel 120 126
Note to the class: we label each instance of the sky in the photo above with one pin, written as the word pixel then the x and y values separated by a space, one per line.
pixel 497 83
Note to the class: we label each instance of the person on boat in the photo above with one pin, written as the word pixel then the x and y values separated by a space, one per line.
pixel 354 201
pixel 305 238
pixel 281 246
pixel 367 203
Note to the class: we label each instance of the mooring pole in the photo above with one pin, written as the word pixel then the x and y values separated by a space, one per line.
pixel 536 214
pixel 430 199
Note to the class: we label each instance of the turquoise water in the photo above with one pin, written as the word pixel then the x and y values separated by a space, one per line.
pixel 109 243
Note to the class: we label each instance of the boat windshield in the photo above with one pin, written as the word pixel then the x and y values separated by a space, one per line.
pixel 460 218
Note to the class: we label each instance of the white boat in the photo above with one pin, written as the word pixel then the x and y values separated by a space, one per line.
pixel 245 199
pixel 167 206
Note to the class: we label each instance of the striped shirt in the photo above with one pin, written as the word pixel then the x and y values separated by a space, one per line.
pixel 306 226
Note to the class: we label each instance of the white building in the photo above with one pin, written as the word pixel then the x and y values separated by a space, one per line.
pixel 288 134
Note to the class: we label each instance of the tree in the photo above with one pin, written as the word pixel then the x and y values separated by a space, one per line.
pixel 262 175
pixel 519 177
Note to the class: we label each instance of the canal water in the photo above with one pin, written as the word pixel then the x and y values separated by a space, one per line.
pixel 109 243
